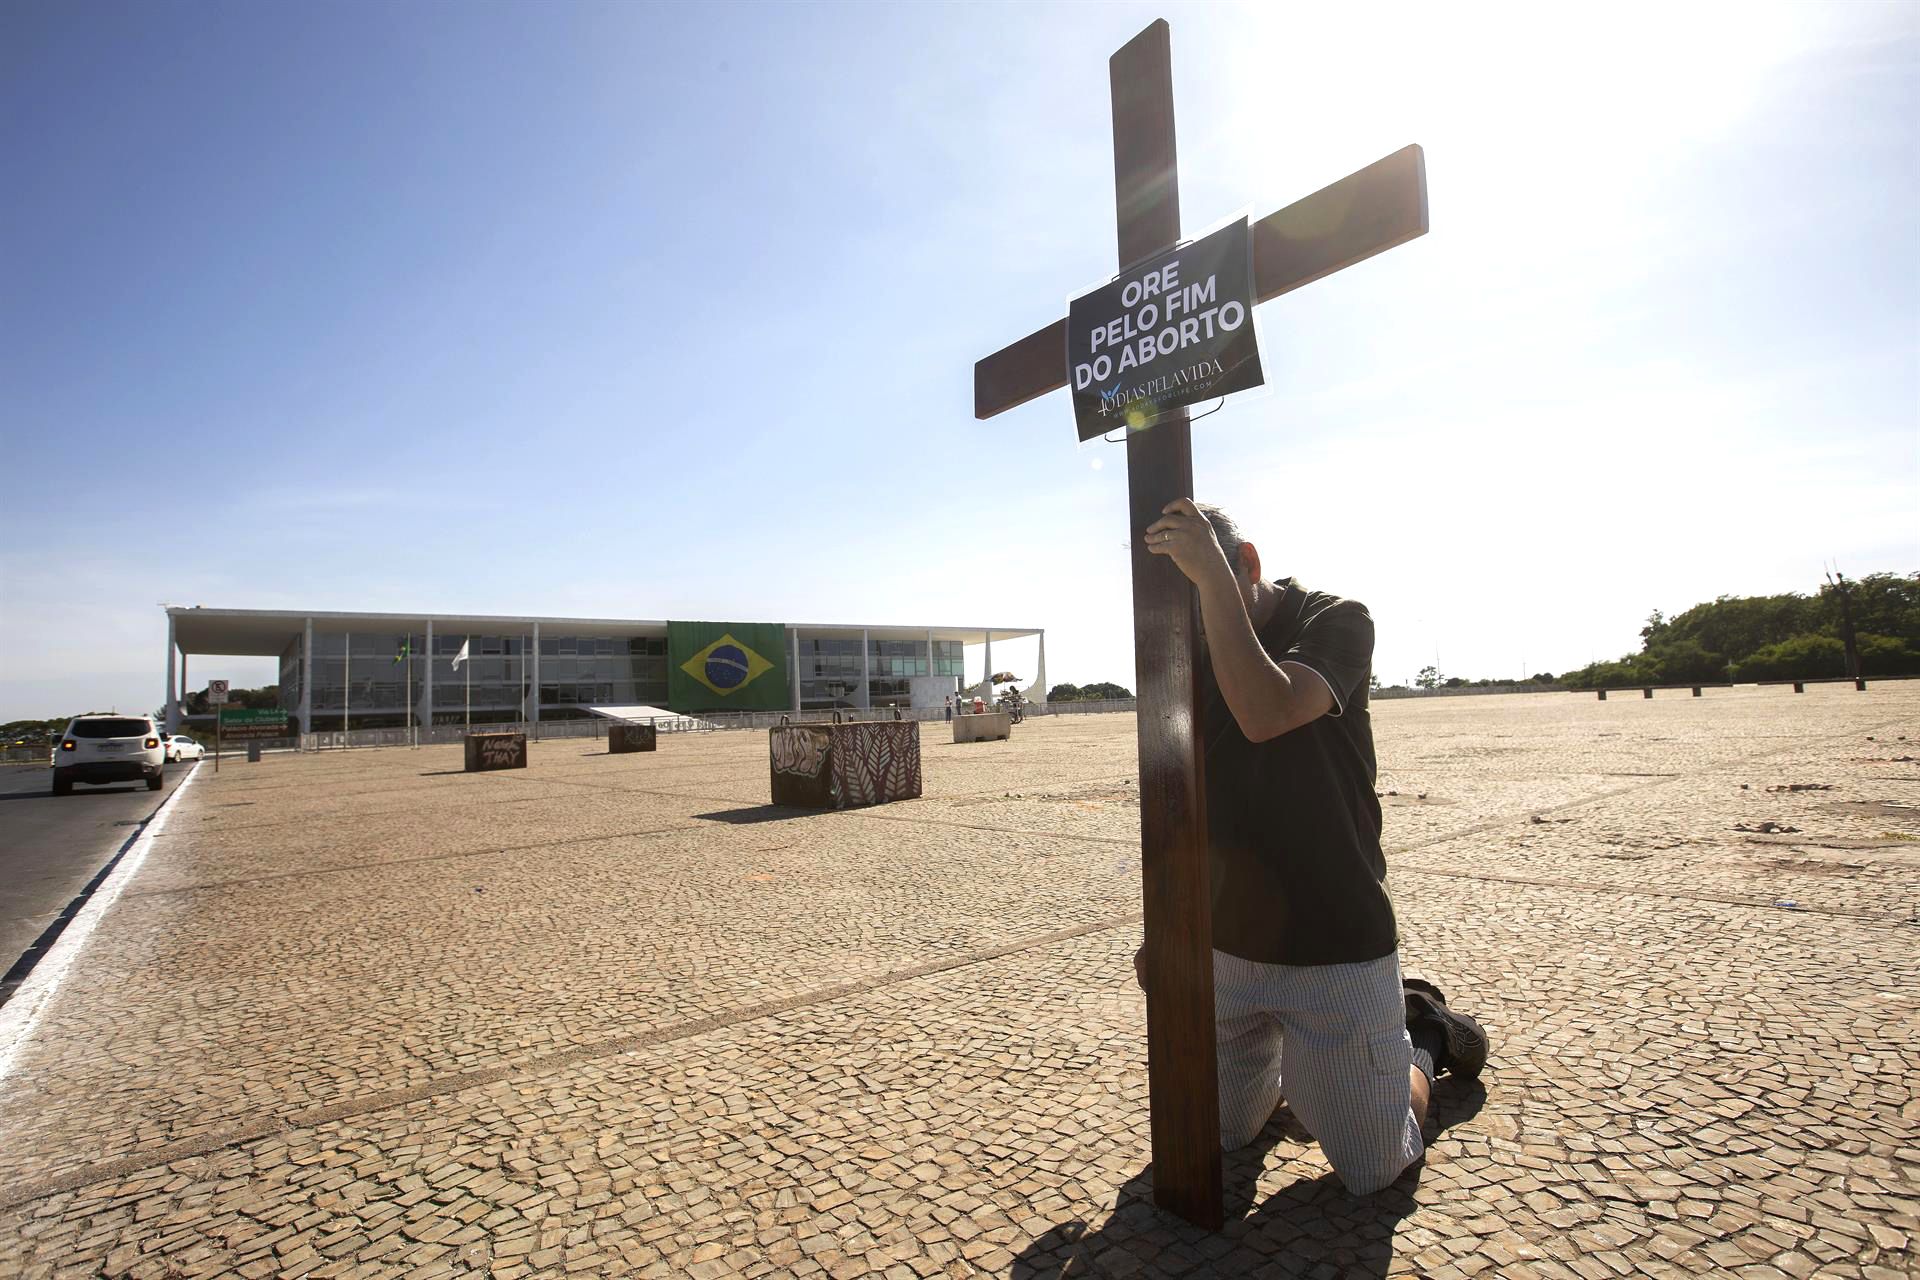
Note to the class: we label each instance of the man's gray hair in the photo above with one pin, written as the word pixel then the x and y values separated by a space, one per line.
pixel 1227 530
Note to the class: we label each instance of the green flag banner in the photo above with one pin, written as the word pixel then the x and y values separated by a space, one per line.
pixel 727 666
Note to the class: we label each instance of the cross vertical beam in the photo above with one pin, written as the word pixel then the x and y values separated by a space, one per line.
pixel 1364 213
pixel 1182 1083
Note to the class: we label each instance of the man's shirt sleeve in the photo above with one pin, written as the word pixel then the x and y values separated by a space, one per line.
pixel 1336 644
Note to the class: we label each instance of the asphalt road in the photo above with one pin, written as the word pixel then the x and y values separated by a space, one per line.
pixel 51 846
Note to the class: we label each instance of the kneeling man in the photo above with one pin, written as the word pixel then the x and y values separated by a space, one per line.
pixel 1308 997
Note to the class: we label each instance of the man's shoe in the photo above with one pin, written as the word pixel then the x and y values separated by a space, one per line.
pixel 1466 1043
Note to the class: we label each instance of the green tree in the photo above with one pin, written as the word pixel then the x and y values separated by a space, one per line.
pixel 1685 662
pixel 1884 604
pixel 1429 678
pixel 1064 693
pixel 1740 625
pixel 1888 655
pixel 1777 637
pixel 1802 657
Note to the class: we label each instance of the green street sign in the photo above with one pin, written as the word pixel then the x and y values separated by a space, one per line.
pixel 269 717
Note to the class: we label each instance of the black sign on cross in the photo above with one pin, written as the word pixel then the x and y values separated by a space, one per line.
pixel 1383 205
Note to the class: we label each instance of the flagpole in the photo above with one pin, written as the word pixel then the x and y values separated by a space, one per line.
pixel 346 691
pixel 406 649
pixel 468 665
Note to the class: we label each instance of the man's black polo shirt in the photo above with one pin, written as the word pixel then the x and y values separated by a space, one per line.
pixel 1294 823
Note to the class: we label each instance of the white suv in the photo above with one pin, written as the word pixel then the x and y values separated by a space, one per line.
pixel 109 749
pixel 180 747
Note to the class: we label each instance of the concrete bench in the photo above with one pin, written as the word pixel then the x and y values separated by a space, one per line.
pixel 1800 686
pixel 986 726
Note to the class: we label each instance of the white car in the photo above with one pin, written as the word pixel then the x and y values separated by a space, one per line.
pixel 181 747
pixel 109 748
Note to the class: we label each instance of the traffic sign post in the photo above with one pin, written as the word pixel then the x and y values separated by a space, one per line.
pixel 217 697
pixel 248 724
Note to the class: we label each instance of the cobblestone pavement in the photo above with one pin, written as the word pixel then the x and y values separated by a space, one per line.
pixel 361 1014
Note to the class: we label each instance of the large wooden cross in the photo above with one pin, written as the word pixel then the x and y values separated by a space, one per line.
pixel 1383 205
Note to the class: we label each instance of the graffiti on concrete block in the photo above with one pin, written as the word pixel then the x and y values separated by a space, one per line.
pixel 622 738
pixel 840 766
pixel 487 751
pixel 799 756
pixel 876 763
pixel 799 750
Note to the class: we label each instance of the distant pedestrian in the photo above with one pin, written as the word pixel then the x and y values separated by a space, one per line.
pixel 949 706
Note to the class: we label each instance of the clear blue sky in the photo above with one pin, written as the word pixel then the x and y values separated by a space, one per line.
pixel 671 312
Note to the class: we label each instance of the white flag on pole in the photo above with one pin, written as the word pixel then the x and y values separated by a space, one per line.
pixel 461 656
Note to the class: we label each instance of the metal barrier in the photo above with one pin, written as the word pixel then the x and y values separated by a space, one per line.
pixel 769 719
pixel 705 722
pixel 1090 706
pixel 446 734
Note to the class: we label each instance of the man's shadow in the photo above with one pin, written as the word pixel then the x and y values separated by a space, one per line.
pixel 1311 1222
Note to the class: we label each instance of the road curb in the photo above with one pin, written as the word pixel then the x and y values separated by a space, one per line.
pixel 23 1008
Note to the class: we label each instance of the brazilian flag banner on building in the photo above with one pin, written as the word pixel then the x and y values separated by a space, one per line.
pixel 727 666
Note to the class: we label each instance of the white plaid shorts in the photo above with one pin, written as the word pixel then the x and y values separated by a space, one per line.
pixel 1333 1039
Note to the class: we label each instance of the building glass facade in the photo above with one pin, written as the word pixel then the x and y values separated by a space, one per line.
pixel 602 671
pixel 364 675
pixel 831 668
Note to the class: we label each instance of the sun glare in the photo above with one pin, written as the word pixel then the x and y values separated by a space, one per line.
pixel 1506 88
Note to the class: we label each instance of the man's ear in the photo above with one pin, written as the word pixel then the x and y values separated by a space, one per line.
pixel 1250 561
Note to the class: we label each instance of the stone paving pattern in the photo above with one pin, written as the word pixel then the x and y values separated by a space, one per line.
pixel 361 1014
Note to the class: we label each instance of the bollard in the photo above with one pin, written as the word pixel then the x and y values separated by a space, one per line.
pixel 1646 693
pixel 1603 695
pixel 1799 686
pixel 1696 691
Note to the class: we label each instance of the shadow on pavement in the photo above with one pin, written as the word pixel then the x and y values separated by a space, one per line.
pixel 1313 1223
pixel 80 789
pixel 756 813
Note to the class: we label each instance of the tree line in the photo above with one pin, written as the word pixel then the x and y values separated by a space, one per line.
pixel 1098 692
pixel 1782 637
pixel 33 733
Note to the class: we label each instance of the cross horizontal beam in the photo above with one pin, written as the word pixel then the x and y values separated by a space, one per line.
pixel 1349 221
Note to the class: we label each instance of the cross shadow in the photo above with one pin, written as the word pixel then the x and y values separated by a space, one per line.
pixel 756 813
pixel 1311 1226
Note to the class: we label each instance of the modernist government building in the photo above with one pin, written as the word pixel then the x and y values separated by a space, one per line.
pixel 361 669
